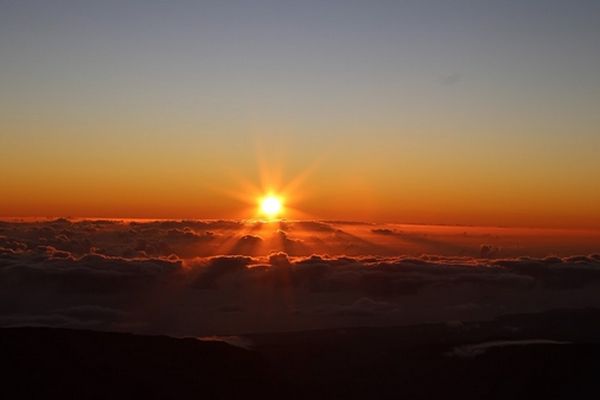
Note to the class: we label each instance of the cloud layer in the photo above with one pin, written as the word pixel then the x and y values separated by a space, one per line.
pixel 189 239
pixel 164 277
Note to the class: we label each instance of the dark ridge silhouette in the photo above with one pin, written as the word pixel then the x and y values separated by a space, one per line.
pixel 43 363
pixel 552 355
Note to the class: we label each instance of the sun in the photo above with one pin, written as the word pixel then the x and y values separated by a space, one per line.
pixel 271 206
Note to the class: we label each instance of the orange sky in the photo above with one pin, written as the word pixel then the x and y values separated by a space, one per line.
pixel 388 113
pixel 82 178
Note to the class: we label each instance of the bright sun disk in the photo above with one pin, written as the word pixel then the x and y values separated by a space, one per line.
pixel 270 206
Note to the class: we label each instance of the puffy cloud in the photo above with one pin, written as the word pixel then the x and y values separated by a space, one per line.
pixel 218 267
pixel 248 245
pixel 488 251
pixel 279 260
pixel 291 246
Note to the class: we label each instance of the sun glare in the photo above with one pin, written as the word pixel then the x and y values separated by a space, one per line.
pixel 270 206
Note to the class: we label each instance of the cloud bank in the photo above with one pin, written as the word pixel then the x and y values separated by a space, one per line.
pixel 164 277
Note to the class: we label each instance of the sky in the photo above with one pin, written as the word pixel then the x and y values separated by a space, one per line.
pixel 462 112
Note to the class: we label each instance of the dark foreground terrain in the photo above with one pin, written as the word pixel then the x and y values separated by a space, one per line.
pixel 550 355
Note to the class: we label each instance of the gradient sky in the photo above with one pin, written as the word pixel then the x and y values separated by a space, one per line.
pixel 462 112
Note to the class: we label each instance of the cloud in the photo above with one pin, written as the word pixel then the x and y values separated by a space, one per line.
pixel 279 260
pixel 488 251
pixel 248 245
pixel 120 284
pixel 363 307
pixel 82 316
pixel 451 79
pixel 383 231
pixel 91 312
pixel 313 226
pixel 46 268
pixel 218 267
pixel 191 239
pixel 237 341
pixel 474 350
pixel 290 246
